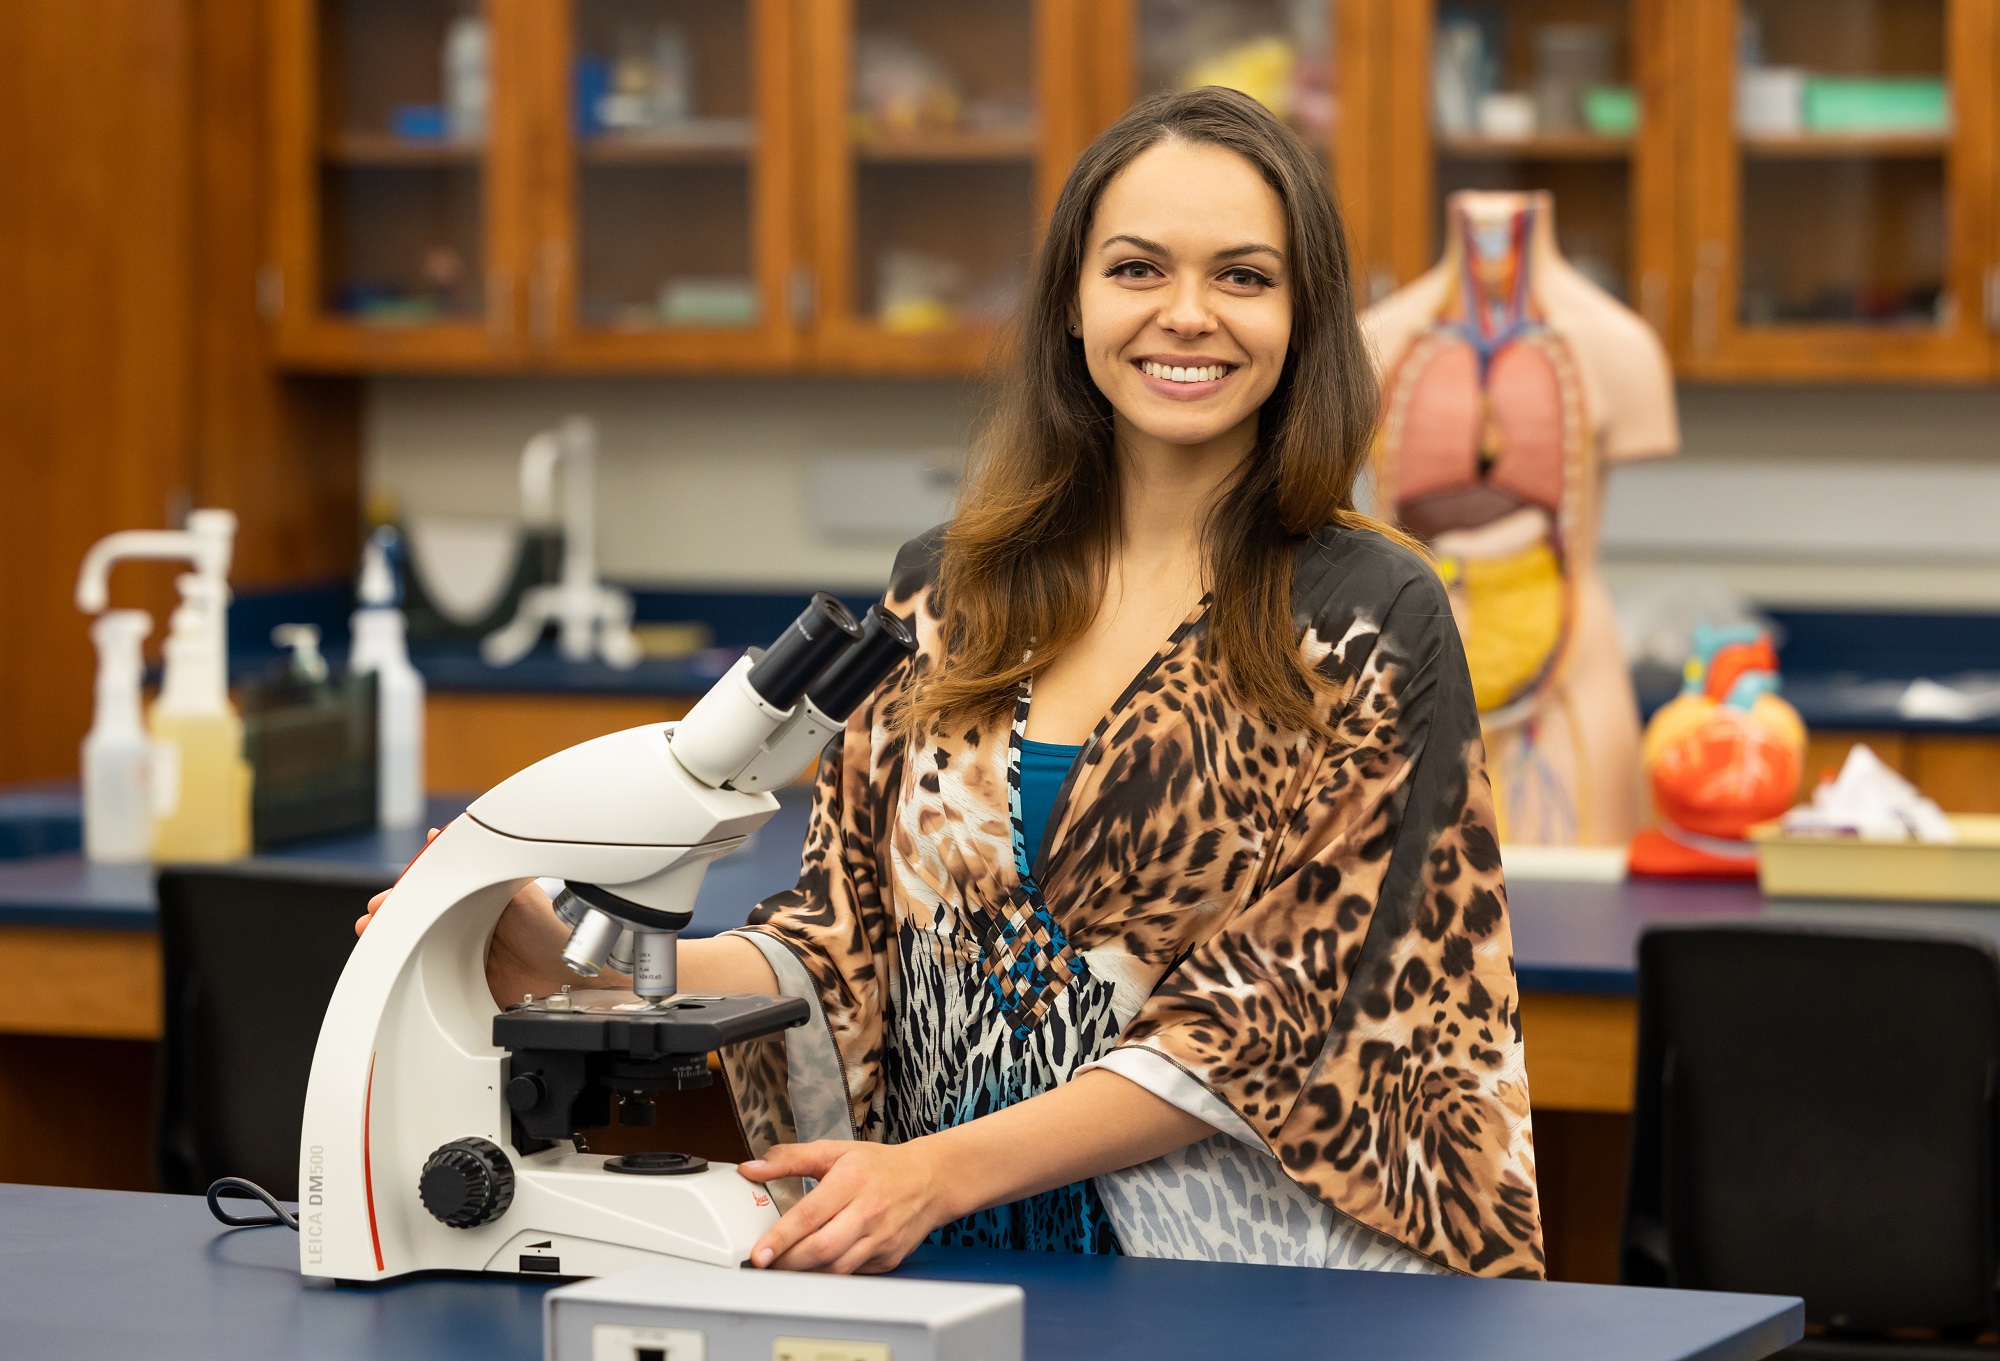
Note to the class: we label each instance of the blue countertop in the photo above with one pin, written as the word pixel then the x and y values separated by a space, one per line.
pixel 1568 936
pixel 104 1274
pixel 67 890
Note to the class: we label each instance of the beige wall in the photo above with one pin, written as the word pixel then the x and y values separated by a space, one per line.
pixel 1794 496
pixel 700 482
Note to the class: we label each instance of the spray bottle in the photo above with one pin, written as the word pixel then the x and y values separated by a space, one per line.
pixel 380 646
pixel 200 781
pixel 117 754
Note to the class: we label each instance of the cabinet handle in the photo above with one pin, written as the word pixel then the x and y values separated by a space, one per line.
pixel 499 306
pixel 1653 287
pixel 1993 300
pixel 271 292
pixel 1706 302
pixel 799 291
pixel 542 295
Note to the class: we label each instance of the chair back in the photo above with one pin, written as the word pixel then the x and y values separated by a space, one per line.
pixel 1814 1116
pixel 250 956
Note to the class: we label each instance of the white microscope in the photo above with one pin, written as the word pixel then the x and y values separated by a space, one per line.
pixel 439 1134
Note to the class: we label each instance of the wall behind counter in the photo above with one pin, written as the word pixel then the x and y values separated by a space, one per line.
pixel 1803 496
pixel 701 482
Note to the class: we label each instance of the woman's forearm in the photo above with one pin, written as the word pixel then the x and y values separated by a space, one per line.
pixel 1096 1123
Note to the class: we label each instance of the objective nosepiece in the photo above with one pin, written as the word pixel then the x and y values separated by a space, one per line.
pixel 802 651
pixel 885 640
pixel 591 943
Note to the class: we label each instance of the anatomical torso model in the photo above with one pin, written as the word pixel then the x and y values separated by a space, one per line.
pixel 1509 382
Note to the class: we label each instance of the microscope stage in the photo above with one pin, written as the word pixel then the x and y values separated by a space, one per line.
pixel 685 1024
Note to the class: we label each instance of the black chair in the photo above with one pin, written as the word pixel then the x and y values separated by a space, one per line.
pixel 1815 1115
pixel 250 957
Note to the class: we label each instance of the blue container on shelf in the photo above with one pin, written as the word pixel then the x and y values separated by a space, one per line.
pixel 590 82
pixel 418 122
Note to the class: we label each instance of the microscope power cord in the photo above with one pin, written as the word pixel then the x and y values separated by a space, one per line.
pixel 248 1190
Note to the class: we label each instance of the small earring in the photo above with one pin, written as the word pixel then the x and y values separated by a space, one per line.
pixel 1075 330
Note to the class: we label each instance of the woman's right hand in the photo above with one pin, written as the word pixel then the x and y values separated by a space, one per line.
pixel 375 903
pixel 526 941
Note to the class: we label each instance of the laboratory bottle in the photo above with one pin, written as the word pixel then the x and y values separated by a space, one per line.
pixel 117 754
pixel 381 646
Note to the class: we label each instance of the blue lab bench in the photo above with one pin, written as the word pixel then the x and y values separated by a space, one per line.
pixel 104 1274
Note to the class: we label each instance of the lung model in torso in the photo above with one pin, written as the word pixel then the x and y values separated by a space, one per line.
pixel 1509 382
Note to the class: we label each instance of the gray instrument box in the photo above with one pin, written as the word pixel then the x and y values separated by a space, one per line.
pixel 689 1311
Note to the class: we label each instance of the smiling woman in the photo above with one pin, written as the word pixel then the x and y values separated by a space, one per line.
pixel 1246 991
pixel 1154 906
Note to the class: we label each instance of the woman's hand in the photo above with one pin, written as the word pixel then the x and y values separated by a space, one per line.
pixel 527 942
pixel 375 903
pixel 874 1203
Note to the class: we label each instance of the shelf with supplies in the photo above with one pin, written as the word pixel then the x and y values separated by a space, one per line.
pixel 1787 190
pixel 1841 164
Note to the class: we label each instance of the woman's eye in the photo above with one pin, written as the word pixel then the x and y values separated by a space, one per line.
pixel 1132 269
pixel 1245 278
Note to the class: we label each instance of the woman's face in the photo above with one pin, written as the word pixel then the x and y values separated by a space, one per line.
pixel 1184 303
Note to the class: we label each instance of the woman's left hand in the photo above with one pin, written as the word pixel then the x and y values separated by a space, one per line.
pixel 874 1203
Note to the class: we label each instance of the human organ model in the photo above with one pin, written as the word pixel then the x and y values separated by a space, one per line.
pixel 1724 755
pixel 1509 382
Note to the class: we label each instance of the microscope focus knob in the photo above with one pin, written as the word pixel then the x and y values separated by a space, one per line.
pixel 466 1183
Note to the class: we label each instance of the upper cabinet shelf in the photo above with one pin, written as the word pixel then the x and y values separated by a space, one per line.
pixel 1786 189
pixel 1546 146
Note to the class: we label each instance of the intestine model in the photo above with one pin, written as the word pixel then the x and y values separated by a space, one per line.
pixel 1509 382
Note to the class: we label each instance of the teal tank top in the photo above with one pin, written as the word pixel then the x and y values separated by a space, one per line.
pixel 1044 767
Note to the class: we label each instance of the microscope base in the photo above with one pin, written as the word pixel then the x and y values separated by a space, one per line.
pixel 570 1217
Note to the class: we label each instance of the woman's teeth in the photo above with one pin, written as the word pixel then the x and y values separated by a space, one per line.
pixel 1174 374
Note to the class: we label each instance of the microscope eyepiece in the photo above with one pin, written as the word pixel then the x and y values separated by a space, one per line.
pixel 802 651
pixel 885 640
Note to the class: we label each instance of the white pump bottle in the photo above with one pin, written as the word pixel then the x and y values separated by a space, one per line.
pixel 117 754
pixel 380 646
pixel 200 781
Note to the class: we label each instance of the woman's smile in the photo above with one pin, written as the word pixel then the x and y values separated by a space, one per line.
pixel 1183 378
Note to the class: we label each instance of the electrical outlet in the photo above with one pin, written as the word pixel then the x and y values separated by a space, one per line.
pixel 882 496
pixel 827 1349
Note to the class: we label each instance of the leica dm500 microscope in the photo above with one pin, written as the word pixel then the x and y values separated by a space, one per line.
pixel 441 1135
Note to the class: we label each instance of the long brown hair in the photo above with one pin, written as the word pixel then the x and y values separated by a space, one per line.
pixel 1025 558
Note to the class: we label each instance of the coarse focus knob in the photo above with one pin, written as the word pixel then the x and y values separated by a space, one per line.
pixel 467 1183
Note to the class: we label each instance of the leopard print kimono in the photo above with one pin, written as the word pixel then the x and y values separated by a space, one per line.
pixel 1302 941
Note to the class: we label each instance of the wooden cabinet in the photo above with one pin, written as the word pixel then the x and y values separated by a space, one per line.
pixel 1786 189
pixel 663 210
pixel 401 135
pixel 1314 62
pixel 1571 96
pixel 1839 204
pixel 940 132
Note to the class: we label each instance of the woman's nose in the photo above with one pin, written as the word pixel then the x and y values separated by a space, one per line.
pixel 1185 311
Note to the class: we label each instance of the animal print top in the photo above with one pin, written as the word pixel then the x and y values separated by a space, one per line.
pixel 1304 941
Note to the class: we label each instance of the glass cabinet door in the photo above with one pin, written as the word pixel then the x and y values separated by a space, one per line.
pixel 1843 151
pixel 397 180
pixel 935 127
pixel 664 234
pixel 1308 61
pixel 1565 96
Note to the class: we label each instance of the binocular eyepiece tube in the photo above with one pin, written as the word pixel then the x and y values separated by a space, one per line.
pixel 821 633
pixel 763 723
